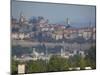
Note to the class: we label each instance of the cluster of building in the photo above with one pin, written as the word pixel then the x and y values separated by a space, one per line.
pixel 64 52
pixel 23 29
pixel 40 28
pixel 72 33
pixel 42 56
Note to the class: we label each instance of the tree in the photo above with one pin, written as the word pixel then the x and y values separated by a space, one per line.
pixel 57 63
pixel 19 50
pixel 36 66
pixel 91 57
pixel 83 63
pixel 77 61
pixel 14 66
pixel 74 61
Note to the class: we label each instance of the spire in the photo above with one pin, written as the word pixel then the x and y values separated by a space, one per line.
pixel 22 19
pixel 67 23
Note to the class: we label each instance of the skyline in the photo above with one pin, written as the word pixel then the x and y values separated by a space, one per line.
pixel 56 13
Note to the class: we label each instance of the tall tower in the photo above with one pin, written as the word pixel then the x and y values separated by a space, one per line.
pixel 67 22
pixel 21 19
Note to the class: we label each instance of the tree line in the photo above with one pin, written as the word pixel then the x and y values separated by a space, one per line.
pixel 58 63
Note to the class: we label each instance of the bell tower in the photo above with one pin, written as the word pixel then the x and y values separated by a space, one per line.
pixel 21 19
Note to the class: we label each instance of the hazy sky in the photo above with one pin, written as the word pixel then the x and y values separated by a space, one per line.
pixel 56 13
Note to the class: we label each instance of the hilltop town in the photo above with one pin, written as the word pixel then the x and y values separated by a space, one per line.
pixel 55 39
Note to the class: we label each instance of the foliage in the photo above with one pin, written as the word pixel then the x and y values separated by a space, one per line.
pixel 14 66
pixel 36 66
pixel 91 57
pixel 19 50
pixel 57 63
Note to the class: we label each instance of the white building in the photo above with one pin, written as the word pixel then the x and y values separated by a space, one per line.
pixel 57 35
pixel 44 29
pixel 87 35
pixel 21 69
pixel 20 36
pixel 14 36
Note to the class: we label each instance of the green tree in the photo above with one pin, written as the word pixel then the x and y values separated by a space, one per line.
pixel 36 66
pixel 57 63
pixel 77 61
pixel 14 66
pixel 74 61
pixel 82 63
pixel 91 57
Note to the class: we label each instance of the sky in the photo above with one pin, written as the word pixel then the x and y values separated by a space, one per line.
pixel 55 13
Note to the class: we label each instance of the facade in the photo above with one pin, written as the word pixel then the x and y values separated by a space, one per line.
pixel 20 36
pixel 57 35
pixel 21 69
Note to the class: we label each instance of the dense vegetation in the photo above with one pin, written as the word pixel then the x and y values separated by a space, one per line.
pixel 19 50
pixel 57 63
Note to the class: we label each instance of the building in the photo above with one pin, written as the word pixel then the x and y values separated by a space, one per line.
pixel 21 68
pixel 14 36
pixel 87 35
pixel 70 33
pixel 22 20
pixel 20 36
pixel 87 32
pixel 57 35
